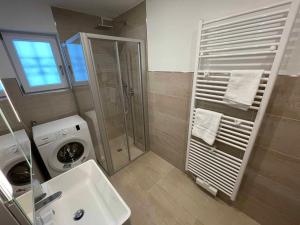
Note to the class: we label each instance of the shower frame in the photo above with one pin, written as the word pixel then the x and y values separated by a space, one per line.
pixel 85 40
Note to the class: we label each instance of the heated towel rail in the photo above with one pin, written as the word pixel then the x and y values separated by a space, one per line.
pixel 254 39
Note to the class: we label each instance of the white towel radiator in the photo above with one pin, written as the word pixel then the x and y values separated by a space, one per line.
pixel 251 40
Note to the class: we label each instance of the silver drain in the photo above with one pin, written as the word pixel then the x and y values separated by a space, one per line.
pixel 78 214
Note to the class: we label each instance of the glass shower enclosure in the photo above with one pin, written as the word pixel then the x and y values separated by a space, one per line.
pixel 109 84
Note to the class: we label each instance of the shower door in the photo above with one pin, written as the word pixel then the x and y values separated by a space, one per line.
pixel 130 66
pixel 115 76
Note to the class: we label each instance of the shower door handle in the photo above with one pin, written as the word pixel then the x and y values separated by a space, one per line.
pixel 126 98
pixel 131 92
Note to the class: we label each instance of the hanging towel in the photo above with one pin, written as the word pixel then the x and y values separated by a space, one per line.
pixel 242 88
pixel 206 125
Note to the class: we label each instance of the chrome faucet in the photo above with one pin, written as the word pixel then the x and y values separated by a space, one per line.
pixel 46 201
pixel 41 200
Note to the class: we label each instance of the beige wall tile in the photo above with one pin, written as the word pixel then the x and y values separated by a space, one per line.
pixel 168 147
pixel 261 212
pixel 132 24
pixel 84 98
pixel 135 23
pixel 169 124
pixel 276 166
pixel 43 107
pixel 285 99
pixel 173 106
pixel 68 23
pixel 275 195
pixel 168 136
pixel 280 134
pixel 170 84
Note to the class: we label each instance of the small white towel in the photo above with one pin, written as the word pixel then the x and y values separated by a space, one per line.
pixel 206 125
pixel 242 88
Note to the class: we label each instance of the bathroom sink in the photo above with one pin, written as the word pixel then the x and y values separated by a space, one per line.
pixel 88 194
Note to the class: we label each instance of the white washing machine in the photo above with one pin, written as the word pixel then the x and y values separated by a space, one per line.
pixel 13 162
pixel 63 144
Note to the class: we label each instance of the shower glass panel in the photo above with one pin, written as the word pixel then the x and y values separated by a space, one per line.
pixel 116 86
pixel 83 96
pixel 130 64
pixel 106 64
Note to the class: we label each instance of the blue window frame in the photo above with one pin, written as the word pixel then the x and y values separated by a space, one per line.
pixel 76 56
pixel 37 61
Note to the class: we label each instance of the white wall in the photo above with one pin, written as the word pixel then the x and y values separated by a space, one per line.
pixel 172 28
pixel 23 15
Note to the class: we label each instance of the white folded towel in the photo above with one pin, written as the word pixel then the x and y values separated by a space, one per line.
pixel 206 125
pixel 242 88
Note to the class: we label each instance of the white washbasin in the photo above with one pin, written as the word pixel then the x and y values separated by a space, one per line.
pixel 86 187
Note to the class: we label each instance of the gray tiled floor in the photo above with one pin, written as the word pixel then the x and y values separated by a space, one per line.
pixel 160 194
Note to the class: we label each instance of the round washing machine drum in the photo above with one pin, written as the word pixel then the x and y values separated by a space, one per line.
pixel 19 174
pixel 69 154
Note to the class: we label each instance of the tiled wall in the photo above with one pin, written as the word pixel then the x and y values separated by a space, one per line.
pixel 69 23
pixel 168 103
pixel 270 191
pixel 135 20
pixel 271 188
pixel 42 107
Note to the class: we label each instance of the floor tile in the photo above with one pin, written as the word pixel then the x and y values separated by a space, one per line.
pixel 167 210
pixel 160 194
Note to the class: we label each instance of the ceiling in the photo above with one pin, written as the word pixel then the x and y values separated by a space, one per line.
pixel 106 8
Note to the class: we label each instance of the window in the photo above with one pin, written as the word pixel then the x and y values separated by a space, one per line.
pixel 37 61
pixel 2 94
pixel 77 60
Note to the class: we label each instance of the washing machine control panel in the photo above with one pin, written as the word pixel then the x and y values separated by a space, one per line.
pixel 56 135
pixel 45 139
pixel 66 131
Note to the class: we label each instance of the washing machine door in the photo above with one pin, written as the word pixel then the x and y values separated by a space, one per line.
pixel 69 154
pixel 19 176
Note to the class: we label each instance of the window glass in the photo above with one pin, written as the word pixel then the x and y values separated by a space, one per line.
pixel 38 62
pixel 78 62
pixel 2 94
pixel 1 87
